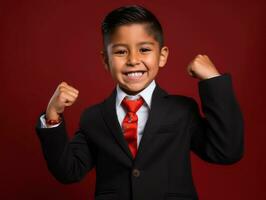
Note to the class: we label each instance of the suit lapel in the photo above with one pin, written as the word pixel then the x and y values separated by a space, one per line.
pixel 110 117
pixel 157 112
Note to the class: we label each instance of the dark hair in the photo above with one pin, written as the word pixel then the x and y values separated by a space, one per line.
pixel 130 15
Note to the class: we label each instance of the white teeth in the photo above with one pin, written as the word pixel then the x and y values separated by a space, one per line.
pixel 134 74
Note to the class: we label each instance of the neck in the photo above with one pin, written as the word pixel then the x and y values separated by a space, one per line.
pixel 130 92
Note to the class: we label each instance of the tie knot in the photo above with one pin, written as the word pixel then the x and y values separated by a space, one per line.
pixel 132 105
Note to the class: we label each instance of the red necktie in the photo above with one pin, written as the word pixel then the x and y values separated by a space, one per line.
pixel 130 123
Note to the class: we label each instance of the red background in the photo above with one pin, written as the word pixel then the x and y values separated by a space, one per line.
pixel 45 42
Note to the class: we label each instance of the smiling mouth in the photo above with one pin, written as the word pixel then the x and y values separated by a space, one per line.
pixel 136 75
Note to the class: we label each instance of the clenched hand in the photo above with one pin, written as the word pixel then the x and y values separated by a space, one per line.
pixel 64 95
pixel 201 67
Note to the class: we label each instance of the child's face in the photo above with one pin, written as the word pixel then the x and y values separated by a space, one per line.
pixel 133 57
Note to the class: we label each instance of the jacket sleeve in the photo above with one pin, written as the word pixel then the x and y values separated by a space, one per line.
pixel 218 136
pixel 67 160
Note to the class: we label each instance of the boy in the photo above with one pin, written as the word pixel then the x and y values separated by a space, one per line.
pixel 139 139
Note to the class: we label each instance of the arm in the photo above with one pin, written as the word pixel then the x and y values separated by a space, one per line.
pixel 67 160
pixel 217 137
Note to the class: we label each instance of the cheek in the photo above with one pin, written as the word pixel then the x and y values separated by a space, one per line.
pixel 117 62
pixel 151 62
pixel 116 66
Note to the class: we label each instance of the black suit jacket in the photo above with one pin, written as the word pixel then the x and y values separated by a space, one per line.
pixel 162 168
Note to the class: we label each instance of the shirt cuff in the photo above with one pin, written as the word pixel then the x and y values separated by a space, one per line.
pixel 44 125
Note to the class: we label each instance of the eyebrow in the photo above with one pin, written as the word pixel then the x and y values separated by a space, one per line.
pixel 125 45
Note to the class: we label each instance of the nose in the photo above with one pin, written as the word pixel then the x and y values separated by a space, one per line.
pixel 133 59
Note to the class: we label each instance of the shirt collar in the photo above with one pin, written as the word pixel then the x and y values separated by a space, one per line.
pixel 146 94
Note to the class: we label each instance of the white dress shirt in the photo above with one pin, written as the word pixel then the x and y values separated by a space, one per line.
pixel 142 113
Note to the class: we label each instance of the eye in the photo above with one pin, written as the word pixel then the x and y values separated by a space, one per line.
pixel 120 52
pixel 144 50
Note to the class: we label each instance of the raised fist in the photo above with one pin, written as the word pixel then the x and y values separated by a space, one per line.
pixel 64 95
pixel 202 68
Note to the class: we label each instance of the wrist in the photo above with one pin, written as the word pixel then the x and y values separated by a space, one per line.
pixel 50 122
pixel 51 114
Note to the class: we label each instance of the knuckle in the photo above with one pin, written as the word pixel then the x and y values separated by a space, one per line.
pixel 61 89
pixel 62 85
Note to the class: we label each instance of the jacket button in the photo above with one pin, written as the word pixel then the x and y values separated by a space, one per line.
pixel 136 173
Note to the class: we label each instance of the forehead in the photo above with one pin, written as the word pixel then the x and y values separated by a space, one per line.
pixel 132 33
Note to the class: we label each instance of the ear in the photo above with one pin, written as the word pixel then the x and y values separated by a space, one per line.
pixel 163 56
pixel 105 59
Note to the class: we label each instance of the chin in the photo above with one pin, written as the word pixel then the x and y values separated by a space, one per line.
pixel 133 90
